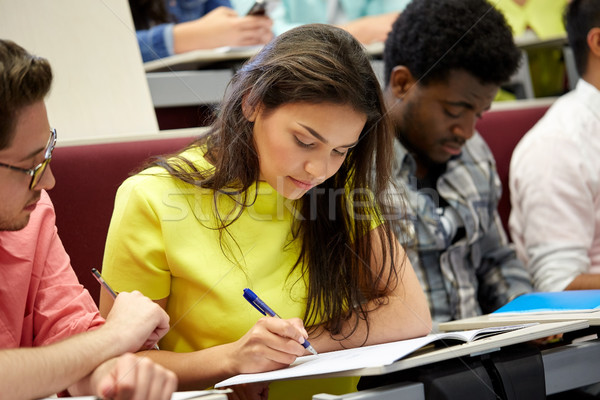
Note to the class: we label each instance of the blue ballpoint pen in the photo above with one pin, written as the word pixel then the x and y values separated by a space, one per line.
pixel 266 310
pixel 112 293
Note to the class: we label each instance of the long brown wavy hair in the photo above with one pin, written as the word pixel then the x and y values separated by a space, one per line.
pixel 313 64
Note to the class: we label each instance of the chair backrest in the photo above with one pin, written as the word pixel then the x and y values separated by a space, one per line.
pixel 87 178
pixel 502 129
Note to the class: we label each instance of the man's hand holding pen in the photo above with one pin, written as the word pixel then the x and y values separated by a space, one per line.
pixel 141 321
pixel 113 295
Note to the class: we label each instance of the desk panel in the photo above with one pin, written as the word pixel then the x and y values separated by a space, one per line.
pixel 566 367
pixel 182 88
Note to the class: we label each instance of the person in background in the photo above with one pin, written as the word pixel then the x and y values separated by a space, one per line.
pixel 167 27
pixel 542 18
pixel 555 173
pixel 444 62
pixel 369 21
pixel 278 197
pixel 51 334
pixel 539 20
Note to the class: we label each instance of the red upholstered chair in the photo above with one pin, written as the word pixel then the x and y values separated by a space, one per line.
pixel 502 129
pixel 87 178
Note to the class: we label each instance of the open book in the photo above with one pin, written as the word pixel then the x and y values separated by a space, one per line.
pixel 572 301
pixel 367 356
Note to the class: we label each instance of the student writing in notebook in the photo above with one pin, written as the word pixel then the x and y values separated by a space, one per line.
pixel 51 334
pixel 278 197
pixel 168 27
pixel 444 62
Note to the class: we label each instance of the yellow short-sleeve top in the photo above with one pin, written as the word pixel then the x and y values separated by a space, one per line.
pixel 162 242
pixel 544 17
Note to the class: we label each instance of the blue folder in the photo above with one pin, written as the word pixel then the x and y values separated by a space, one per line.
pixel 567 301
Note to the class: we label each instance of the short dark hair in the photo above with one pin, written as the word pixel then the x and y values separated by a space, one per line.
pixel 434 37
pixel 580 17
pixel 24 79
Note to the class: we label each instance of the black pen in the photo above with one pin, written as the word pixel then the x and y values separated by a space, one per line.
pixel 266 310
pixel 112 293
pixel 103 283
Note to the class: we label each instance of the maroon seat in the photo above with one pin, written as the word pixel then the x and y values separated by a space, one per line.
pixel 87 178
pixel 502 130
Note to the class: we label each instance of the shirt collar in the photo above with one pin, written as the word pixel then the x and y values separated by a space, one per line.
pixel 404 163
pixel 589 95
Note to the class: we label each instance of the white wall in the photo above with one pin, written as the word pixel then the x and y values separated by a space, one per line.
pixel 100 88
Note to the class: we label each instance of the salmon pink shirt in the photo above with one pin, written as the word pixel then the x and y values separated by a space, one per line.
pixel 41 300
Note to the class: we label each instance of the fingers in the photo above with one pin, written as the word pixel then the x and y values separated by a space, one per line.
pixel 252 30
pixel 137 378
pixel 139 320
pixel 254 23
pixel 252 38
pixel 297 322
pixel 223 11
pixel 221 27
pixel 270 344
pixel 288 333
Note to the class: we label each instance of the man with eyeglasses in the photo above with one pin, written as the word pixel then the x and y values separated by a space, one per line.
pixel 51 334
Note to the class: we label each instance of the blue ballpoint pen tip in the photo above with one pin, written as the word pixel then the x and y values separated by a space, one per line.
pixel 311 349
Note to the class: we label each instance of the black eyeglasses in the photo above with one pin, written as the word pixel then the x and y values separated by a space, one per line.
pixel 38 172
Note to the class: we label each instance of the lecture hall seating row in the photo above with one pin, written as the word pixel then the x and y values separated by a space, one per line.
pixel 88 175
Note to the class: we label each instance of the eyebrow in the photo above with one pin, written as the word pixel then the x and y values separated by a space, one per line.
pixel 466 105
pixel 32 154
pixel 322 139
pixel 463 104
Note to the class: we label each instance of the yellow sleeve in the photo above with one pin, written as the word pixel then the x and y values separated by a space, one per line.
pixel 134 256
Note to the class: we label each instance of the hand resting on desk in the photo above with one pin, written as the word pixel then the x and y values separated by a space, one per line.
pixel 130 377
pixel 138 323
pixel 221 27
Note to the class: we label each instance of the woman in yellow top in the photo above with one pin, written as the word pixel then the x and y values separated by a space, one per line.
pixel 280 197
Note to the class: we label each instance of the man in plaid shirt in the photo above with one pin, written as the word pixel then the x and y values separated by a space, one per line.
pixel 444 63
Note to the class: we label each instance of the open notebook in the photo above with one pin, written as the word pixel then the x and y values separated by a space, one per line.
pixel 367 356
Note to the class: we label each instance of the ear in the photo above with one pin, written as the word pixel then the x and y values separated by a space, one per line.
pixel 593 41
pixel 250 112
pixel 401 80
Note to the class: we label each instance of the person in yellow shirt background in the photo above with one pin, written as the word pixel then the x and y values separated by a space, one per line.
pixel 540 20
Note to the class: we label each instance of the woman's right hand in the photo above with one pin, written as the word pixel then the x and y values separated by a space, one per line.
pixel 272 343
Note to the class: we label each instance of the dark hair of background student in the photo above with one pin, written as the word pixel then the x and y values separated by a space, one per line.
pixel 580 17
pixel 147 13
pixel 430 47
pixel 26 79
pixel 313 64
